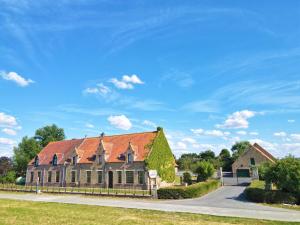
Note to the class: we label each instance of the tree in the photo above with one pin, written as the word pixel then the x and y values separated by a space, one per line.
pixel 27 149
pixel 50 133
pixel 285 174
pixel 205 170
pixel 225 160
pixel 187 178
pixel 239 148
pixel 5 165
pixel 207 155
pixel 186 160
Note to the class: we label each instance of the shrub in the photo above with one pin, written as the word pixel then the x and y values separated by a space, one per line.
pixel 262 170
pixel 10 177
pixel 205 170
pixel 192 191
pixel 256 193
pixel 187 178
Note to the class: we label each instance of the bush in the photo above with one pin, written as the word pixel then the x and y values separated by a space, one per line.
pixel 256 193
pixel 192 191
pixel 205 170
pixel 10 177
pixel 187 178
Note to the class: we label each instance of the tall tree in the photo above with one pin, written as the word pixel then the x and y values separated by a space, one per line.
pixel 225 160
pixel 50 133
pixel 186 160
pixel 27 149
pixel 239 148
pixel 5 165
pixel 207 155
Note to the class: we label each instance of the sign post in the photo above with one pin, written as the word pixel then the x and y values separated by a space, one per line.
pixel 153 175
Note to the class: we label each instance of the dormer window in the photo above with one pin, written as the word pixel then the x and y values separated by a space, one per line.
pixel 100 159
pixel 129 158
pixel 36 161
pixel 54 160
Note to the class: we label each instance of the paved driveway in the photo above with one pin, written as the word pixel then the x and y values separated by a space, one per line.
pixel 226 201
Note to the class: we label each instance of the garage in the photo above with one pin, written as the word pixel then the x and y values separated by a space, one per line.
pixel 243 172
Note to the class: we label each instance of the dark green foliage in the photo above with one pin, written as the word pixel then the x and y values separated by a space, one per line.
pixel 263 169
pixel 186 160
pixel 285 174
pixel 27 149
pixel 192 191
pixel 239 148
pixel 5 165
pixel 187 178
pixel 50 133
pixel 161 158
pixel 204 169
pixel 207 155
pixel 225 160
pixel 259 194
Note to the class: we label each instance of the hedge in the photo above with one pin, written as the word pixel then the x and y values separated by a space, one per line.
pixel 192 191
pixel 256 193
pixel 161 158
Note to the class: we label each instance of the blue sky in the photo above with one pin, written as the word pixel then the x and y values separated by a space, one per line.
pixel 210 73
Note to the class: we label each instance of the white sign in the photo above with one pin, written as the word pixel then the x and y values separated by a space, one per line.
pixel 152 173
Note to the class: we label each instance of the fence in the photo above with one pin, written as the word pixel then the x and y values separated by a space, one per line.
pixel 77 190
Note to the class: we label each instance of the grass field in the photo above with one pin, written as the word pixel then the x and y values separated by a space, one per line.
pixel 28 213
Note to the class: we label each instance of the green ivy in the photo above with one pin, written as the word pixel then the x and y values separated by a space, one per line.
pixel 161 158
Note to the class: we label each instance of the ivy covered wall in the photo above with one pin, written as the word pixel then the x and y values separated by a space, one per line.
pixel 161 158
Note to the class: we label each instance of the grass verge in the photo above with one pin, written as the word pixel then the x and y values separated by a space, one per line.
pixel 29 213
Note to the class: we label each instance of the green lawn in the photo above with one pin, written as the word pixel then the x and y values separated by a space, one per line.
pixel 27 213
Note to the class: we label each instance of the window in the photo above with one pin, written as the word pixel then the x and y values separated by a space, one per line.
pixel 74 160
pixel 88 176
pixel 39 176
pixel 49 176
pixel 36 161
pixel 129 177
pixel 129 158
pixel 54 160
pixel 141 177
pixel 119 177
pixel 73 176
pixel 252 161
pixel 31 177
pixel 57 177
pixel 100 159
pixel 99 177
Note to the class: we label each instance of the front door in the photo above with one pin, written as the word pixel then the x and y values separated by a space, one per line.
pixel 110 179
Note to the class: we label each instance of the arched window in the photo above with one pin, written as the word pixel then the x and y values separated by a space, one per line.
pixel 54 160
pixel 129 158
pixel 36 161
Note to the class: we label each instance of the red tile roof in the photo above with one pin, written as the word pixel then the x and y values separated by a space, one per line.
pixel 264 152
pixel 86 148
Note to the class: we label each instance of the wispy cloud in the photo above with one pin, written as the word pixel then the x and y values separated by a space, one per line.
pixel 16 78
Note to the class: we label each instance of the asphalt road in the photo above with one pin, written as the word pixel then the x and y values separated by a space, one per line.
pixel 226 201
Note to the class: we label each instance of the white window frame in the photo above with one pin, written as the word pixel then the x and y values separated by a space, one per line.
pixel 117 171
pixel 50 171
pixel 56 176
pixel 98 176
pixel 75 175
pixel 86 172
pixel 138 176
pixel 126 176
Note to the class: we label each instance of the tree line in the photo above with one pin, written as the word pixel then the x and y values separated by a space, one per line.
pixel 27 149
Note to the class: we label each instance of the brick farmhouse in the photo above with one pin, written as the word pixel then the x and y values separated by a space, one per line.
pixel 117 161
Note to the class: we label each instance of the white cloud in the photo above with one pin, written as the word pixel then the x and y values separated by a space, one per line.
pixel 89 125
pixel 212 133
pixel 132 79
pixel 6 141
pixel 100 89
pixel 254 133
pixel 149 123
pixel 18 79
pixel 121 122
pixel 126 82
pixel 241 132
pixel 189 140
pixel 9 131
pixel 291 121
pixel 280 134
pixel 295 137
pixel 7 120
pixel 237 120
